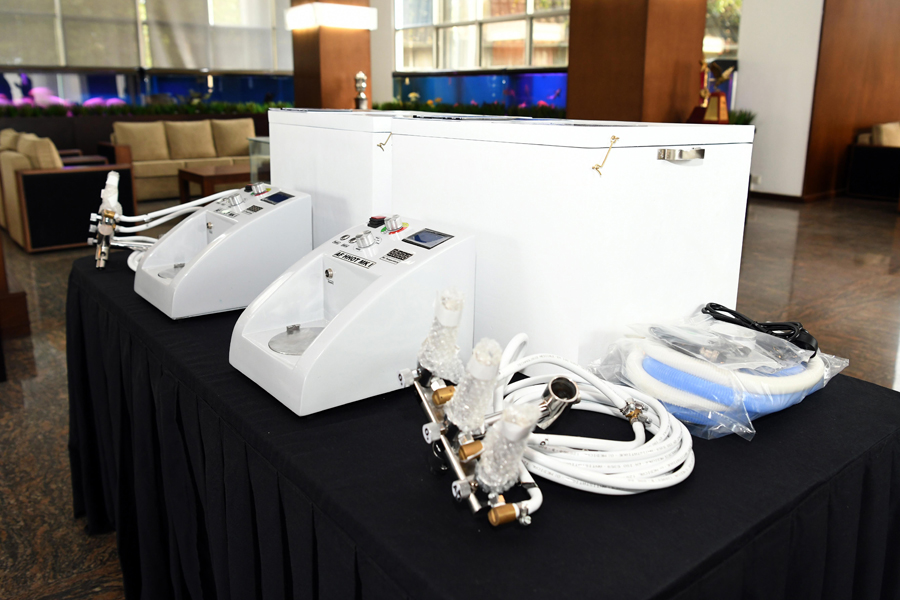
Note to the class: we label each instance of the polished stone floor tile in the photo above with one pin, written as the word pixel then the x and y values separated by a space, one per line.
pixel 834 265
pixel 44 552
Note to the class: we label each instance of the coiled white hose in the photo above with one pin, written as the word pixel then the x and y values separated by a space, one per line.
pixel 593 464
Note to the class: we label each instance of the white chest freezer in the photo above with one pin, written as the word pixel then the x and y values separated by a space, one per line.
pixel 570 251
pixel 339 157
pixel 342 158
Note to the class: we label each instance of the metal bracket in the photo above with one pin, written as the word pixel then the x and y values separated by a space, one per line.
pixel 597 168
pixel 381 145
pixel 679 154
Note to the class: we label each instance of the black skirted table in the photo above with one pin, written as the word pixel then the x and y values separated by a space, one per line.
pixel 216 490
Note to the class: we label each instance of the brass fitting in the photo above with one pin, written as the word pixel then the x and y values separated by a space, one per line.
pixel 443 395
pixel 470 450
pixel 505 513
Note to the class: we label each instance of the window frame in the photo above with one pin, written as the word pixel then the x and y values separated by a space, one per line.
pixel 479 21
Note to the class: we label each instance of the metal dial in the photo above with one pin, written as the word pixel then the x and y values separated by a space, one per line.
pixel 394 223
pixel 365 239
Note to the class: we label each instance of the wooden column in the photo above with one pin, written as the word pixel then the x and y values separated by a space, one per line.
pixel 326 60
pixel 635 60
pixel 857 86
pixel 14 320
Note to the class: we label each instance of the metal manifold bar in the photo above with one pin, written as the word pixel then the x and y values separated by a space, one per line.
pixel 460 452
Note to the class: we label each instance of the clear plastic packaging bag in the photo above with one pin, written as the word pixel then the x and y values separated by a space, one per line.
pixel 717 377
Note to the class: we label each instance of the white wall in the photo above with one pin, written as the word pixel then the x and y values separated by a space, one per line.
pixel 777 58
pixel 381 81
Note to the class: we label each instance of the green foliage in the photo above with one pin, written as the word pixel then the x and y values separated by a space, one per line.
pixel 741 117
pixel 724 16
pixel 211 108
pixel 537 112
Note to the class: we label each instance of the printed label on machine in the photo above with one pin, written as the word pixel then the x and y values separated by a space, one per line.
pixel 395 256
pixel 356 260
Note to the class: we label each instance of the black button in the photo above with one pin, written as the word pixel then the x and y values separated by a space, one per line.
pixel 376 221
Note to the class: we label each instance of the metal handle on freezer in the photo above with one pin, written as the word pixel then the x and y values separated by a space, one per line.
pixel 678 154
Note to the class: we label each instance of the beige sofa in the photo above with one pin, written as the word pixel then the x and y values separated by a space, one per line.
pixel 884 134
pixel 158 149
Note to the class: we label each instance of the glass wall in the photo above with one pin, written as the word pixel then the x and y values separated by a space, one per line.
pixel 480 34
pixel 45 89
pixel 517 88
pixel 723 22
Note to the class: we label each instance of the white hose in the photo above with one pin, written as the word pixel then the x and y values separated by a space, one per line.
pixel 174 215
pixel 592 464
pixel 754 384
pixel 177 208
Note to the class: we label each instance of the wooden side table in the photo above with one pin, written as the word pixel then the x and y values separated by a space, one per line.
pixel 209 178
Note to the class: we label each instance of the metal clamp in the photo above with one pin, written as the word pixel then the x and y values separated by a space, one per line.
pixel 597 168
pixel 381 145
pixel 679 154
pixel 634 411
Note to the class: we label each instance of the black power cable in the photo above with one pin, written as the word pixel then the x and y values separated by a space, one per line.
pixel 792 331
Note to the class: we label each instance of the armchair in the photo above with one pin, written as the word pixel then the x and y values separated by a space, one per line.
pixel 48 208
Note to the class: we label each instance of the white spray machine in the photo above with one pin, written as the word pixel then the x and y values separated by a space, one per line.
pixel 340 324
pixel 224 254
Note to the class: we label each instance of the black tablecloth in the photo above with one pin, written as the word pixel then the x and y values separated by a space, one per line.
pixel 216 490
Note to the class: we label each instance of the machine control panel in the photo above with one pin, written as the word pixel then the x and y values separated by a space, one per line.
pixel 370 247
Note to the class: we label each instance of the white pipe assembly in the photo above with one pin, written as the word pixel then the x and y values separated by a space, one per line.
pixel 109 218
pixel 483 430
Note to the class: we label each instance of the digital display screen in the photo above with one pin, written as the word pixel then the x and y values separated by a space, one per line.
pixel 427 238
pixel 277 197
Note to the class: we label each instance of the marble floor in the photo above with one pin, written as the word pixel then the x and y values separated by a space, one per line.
pixel 833 265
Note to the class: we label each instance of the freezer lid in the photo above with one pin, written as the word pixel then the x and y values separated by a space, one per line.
pixel 575 134
pixel 369 121
pixel 372 121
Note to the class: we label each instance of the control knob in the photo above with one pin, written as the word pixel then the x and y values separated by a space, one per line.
pixel 394 223
pixel 234 200
pixel 365 239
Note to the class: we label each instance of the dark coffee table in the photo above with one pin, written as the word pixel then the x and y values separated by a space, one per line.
pixel 210 177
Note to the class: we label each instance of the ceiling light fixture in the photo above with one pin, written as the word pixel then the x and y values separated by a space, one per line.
pixel 322 14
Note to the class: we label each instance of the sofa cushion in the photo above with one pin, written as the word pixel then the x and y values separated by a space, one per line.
pixel 42 153
pixel 886 134
pixel 24 143
pixel 155 188
pixel 8 139
pixel 190 139
pixel 11 163
pixel 147 140
pixel 231 136
pixel 240 160
pixel 157 168
pixel 207 162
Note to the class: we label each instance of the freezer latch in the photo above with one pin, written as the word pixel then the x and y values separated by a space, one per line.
pixel 679 154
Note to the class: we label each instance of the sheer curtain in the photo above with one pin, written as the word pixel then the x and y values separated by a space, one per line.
pixel 225 35
pixel 100 33
pixel 28 33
